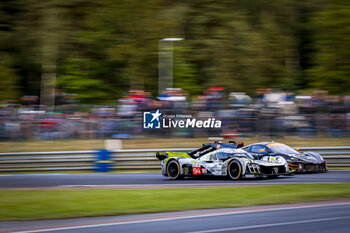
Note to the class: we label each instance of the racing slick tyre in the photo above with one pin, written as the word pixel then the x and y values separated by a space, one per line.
pixel 323 168
pixel 173 170
pixel 234 170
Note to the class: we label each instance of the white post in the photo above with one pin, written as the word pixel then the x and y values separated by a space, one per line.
pixel 165 72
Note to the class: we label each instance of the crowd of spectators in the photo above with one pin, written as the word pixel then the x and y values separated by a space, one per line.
pixel 271 113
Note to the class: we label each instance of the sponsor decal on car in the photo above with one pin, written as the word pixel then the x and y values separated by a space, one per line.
pixel 186 170
pixel 196 171
pixel 203 152
pixel 204 171
pixel 275 170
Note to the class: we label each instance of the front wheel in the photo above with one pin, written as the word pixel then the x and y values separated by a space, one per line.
pixel 234 170
pixel 173 170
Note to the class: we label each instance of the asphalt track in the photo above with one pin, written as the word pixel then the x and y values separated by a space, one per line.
pixel 155 180
pixel 332 216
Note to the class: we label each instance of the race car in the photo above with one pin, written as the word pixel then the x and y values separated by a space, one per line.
pixel 297 161
pixel 219 159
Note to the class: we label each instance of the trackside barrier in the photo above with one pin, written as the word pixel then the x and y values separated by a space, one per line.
pixel 123 159
pixel 103 161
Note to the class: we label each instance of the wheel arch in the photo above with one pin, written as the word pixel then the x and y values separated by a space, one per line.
pixel 165 163
pixel 240 161
pixel 242 167
pixel 179 167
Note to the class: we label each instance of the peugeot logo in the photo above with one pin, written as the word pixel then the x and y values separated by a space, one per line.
pixel 275 170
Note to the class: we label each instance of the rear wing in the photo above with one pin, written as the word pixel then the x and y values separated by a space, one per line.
pixel 209 147
pixel 161 155
pixel 206 148
pixel 236 144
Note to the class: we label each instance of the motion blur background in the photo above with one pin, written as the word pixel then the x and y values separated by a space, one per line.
pixel 85 69
pixel 76 75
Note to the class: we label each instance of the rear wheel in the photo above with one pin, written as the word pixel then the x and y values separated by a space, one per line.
pixel 234 170
pixel 173 170
pixel 323 168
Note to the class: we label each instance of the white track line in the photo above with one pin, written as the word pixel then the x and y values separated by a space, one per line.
pixel 270 225
pixel 198 184
pixel 195 215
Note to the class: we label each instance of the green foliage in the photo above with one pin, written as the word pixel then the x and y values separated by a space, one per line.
pixel 185 74
pixel 331 71
pixel 78 79
pixel 101 49
pixel 8 83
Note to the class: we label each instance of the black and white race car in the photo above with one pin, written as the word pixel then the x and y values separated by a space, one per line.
pixel 219 159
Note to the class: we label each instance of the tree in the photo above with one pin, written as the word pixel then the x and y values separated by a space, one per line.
pixel 9 87
pixel 79 79
pixel 8 82
pixel 331 60
pixel 107 47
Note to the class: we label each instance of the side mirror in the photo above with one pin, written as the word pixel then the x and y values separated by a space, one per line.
pixel 297 149
pixel 262 151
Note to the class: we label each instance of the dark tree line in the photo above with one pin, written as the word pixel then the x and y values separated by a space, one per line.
pixel 101 49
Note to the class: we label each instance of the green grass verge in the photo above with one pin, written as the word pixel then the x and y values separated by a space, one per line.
pixel 151 143
pixel 50 204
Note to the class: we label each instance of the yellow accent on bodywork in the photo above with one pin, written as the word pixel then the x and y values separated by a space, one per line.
pixel 175 154
pixel 178 154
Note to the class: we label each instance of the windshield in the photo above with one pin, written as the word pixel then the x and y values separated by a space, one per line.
pixel 282 149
